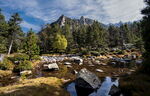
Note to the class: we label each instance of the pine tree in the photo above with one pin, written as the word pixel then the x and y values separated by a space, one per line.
pixel 3 33
pixel 14 29
pixel 31 47
pixel 146 36
pixel 113 36
pixel 68 34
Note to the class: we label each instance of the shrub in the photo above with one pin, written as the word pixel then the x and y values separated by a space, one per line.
pixel 85 52
pixel 23 76
pixel 19 57
pixel 24 65
pixel 120 52
pixel 95 53
pixel 6 65
pixel 36 57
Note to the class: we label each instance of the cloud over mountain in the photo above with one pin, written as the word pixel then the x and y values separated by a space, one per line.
pixel 47 11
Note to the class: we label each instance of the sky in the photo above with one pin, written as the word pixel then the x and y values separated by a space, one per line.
pixel 36 13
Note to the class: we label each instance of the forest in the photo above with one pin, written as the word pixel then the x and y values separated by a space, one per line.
pixel 75 56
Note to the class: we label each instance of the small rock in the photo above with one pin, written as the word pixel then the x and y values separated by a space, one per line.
pixel 75 72
pixel 91 65
pixel 104 64
pixel 51 66
pixel 69 66
pixel 99 70
pixel 14 77
pixel 132 70
pixel 67 63
pixel 26 72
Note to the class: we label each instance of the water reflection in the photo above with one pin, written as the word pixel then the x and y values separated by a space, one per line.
pixel 102 91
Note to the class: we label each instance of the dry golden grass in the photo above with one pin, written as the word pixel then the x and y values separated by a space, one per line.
pixel 4 73
pixel 50 86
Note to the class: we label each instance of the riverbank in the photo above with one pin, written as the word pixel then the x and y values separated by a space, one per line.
pixel 49 86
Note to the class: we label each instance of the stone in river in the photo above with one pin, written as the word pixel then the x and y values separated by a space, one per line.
pixel 87 80
pixel 52 66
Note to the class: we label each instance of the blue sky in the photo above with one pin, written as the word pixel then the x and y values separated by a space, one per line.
pixel 36 13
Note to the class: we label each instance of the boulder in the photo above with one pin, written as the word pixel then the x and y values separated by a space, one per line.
pixel 114 91
pixel 26 72
pixel 88 80
pixel 52 66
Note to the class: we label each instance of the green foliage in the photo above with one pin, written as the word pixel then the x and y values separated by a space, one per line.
pixel 23 76
pixel 60 43
pixel 15 33
pixel 6 65
pixel 3 34
pixel 85 52
pixel 36 57
pixel 31 47
pixel 95 53
pixel 68 35
pixel 24 65
pixel 146 37
pixel 3 42
pixel 19 57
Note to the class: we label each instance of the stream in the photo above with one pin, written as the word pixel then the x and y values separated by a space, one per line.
pixel 102 91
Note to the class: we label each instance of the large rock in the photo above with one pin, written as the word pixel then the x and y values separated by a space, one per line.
pixel 114 91
pixel 52 66
pixel 88 80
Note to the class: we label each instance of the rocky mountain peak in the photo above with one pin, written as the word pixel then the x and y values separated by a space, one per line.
pixel 82 21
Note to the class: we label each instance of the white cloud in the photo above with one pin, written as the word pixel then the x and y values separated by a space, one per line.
pixel 106 11
pixel 29 26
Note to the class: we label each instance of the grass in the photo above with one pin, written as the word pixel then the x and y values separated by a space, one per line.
pixel 4 73
pixel 50 86
pixel 136 85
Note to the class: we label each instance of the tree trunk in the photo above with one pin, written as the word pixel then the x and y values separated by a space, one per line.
pixel 10 47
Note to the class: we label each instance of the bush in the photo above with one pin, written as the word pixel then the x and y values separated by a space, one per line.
pixel 19 57
pixel 36 57
pixel 95 53
pixel 6 65
pixel 85 52
pixel 120 52
pixel 24 65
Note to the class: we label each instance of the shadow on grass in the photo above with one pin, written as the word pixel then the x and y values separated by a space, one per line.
pixel 137 84
pixel 42 90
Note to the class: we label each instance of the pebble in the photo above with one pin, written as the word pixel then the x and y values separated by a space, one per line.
pixel 99 70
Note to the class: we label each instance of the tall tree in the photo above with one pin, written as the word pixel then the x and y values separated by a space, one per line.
pixel 31 47
pixel 14 29
pixel 114 36
pixel 146 36
pixel 68 34
pixel 3 33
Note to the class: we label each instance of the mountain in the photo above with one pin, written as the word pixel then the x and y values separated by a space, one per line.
pixel 82 21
